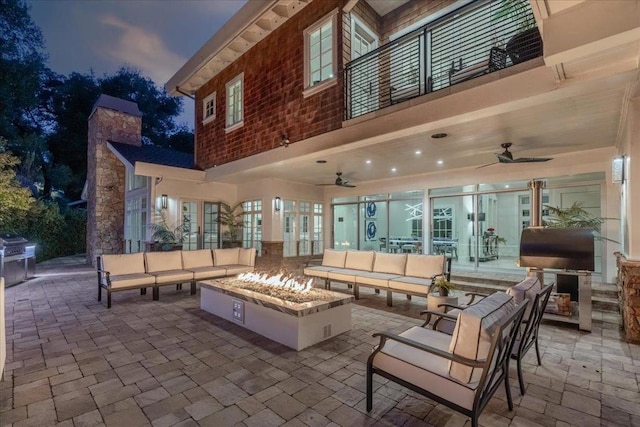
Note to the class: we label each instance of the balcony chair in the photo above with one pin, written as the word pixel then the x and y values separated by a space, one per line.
pixel 497 60
pixel 461 371
pixel 529 289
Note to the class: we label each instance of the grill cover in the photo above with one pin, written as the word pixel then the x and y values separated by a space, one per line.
pixel 559 248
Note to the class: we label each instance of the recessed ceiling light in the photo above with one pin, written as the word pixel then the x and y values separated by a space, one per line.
pixel 440 162
pixel 506 186
pixel 439 135
pixel 321 161
pixel 393 169
pixel 368 162
pixel 418 152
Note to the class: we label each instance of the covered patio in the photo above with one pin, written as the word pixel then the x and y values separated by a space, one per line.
pixel 72 361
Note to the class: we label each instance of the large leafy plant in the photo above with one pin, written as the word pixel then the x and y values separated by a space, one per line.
pixel 574 216
pixel 231 216
pixel 164 233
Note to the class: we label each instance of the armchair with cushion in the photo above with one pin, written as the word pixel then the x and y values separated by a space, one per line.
pixel 497 60
pixel 461 371
pixel 527 290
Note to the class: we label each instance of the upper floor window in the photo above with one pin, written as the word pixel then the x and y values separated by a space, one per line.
pixel 235 100
pixel 320 53
pixel 209 108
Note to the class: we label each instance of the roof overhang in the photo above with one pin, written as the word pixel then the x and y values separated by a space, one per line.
pixel 153 170
pixel 252 23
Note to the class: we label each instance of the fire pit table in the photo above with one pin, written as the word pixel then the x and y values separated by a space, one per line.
pixel 295 324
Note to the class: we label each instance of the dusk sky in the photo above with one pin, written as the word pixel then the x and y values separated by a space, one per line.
pixel 155 36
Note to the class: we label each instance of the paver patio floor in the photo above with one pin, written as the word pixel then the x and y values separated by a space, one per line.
pixel 73 362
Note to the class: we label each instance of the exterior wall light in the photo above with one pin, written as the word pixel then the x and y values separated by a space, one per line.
pixel 164 201
pixel 277 204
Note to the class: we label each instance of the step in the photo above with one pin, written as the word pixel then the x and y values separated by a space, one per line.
pixel 604 297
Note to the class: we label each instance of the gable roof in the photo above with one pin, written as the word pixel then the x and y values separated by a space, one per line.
pixel 154 155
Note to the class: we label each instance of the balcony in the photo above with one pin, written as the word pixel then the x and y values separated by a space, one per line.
pixel 474 40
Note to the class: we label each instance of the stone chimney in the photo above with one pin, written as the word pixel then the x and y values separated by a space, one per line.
pixel 116 120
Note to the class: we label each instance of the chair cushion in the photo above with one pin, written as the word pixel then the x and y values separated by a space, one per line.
pixel 425 370
pixel 123 264
pixel 390 263
pixel 527 289
pixel 163 261
pixel 247 256
pixel 200 273
pixel 376 280
pixel 417 285
pixel 318 271
pixel 223 257
pixel 334 258
pixel 135 280
pixel 472 335
pixel 196 259
pixel 359 260
pixel 168 277
pixel 424 265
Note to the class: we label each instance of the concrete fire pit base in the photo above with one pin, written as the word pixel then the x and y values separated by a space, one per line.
pixel 296 325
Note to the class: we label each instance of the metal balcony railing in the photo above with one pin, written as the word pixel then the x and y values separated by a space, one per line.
pixel 477 39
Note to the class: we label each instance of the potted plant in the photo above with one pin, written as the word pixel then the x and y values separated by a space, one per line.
pixel 526 44
pixel 574 216
pixel 442 287
pixel 231 216
pixel 164 236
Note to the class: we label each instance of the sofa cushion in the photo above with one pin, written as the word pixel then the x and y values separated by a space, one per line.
pixel 222 257
pixel 135 280
pixel 234 269
pixel 163 261
pixel 424 265
pixel 318 271
pixel 247 256
pixel 123 264
pixel 334 258
pixel 375 280
pixel 527 289
pixel 168 277
pixel 359 260
pixel 196 259
pixel 425 370
pixel 389 263
pixel 472 335
pixel 200 273
pixel 415 285
pixel 344 275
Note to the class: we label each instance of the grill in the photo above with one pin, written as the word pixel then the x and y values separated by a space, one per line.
pixel 17 259
pixel 557 248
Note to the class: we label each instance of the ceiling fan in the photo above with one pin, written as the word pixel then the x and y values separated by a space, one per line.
pixel 340 182
pixel 507 157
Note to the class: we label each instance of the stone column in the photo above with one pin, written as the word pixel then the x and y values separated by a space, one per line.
pixel 114 120
pixel 629 289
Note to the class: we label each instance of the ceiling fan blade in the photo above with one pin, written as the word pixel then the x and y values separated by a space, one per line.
pixel 347 185
pixel 488 164
pixel 323 185
pixel 532 159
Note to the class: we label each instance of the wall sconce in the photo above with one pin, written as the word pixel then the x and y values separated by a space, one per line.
pixel 284 141
pixel 164 201
pixel 617 169
pixel 278 203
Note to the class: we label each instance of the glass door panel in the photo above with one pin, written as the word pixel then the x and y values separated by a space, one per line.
pixel 345 226
pixel 289 228
pixel 373 226
pixel 211 226
pixel 304 242
pixel 191 229
pixel 453 229
pixel 405 226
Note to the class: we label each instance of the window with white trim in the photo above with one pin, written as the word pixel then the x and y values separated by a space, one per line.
pixel 320 48
pixel 235 100
pixel 209 108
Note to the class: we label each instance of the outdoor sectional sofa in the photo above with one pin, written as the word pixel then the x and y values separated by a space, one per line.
pixel 408 274
pixel 155 269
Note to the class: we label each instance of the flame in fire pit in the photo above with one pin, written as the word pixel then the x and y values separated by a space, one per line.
pixel 280 280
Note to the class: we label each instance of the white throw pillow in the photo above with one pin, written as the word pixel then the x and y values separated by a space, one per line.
pixel 389 263
pixel 226 256
pixel 334 258
pixel 425 266
pixel 359 260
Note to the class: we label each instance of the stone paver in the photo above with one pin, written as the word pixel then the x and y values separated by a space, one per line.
pixel 73 362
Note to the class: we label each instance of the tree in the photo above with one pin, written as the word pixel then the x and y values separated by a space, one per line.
pixel 15 201
pixel 71 103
